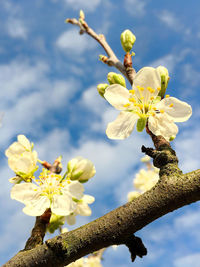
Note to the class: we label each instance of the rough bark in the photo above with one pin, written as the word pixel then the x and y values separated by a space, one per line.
pixel 173 191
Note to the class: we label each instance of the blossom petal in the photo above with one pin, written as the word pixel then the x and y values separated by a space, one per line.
pixel 83 209
pixel 62 205
pixel 88 199
pixel 147 77
pixel 162 124
pixel 25 192
pixel 37 206
pixel 179 111
pixel 76 189
pixel 122 127
pixel 15 148
pixel 24 141
pixel 117 96
pixel 71 219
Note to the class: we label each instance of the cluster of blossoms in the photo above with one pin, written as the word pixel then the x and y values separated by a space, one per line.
pixel 146 104
pixel 145 179
pixel 63 194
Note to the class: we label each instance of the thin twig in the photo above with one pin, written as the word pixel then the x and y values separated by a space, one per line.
pixel 112 59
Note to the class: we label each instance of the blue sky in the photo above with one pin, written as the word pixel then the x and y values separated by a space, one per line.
pixel 48 78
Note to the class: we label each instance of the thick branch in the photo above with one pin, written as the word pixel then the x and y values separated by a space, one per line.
pixel 170 193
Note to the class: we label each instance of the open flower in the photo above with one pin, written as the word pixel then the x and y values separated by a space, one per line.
pixel 21 159
pixel 50 192
pixel 19 147
pixel 142 103
pixel 80 169
pixel 82 209
pixel 145 180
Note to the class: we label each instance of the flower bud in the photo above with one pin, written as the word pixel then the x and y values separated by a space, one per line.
pixel 81 15
pixel 172 138
pixel 101 88
pixel 164 75
pixel 114 78
pixel 127 40
pixel 56 221
pixel 80 169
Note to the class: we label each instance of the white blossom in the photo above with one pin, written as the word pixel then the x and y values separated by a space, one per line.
pixel 50 192
pixel 80 169
pixel 142 104
pixel 146 179
pixel 82 209
pixel 21 159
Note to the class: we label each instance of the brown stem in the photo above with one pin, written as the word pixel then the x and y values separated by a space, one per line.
pixel 112 59
pixel 39 230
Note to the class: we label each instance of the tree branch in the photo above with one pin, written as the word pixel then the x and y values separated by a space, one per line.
pixel 170 193
pixel 112 59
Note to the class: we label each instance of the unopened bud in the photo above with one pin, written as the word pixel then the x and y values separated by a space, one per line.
pixel 81 15
pixel 101 88
pixel 164 75
pixel 127 39
pixel 172 138
pixel 80 169
pixel 114 78
pixel 56 221
pixel 103 58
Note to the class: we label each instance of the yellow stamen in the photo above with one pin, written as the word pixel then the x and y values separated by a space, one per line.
pixel 167 96
pixel 132 99
pixel 132 91
pixel 159 88
pixel 171 105
pixel 140 106
pixel 162 111
pixel 127 105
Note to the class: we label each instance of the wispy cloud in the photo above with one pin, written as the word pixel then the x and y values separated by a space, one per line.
pixel 188 260
pixel 16 28
pixel 173 22
pixel 171 60
pixel 73 43
pixel 135 7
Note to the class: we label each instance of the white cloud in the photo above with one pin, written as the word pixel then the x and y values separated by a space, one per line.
pixel 135 7
pixel 16 28
pixel 170 20
pixel 171 60
pixel 53 145
pixel 173 22
pixel 28 96
pixel 188 220
pixel 85 5
pixel 187 147
pixel 71 42
pixel 189 260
